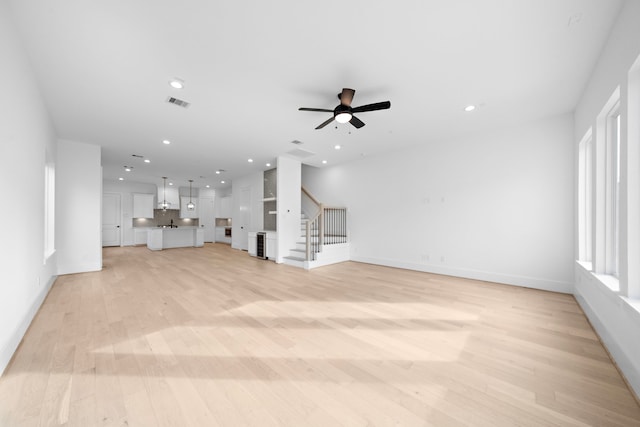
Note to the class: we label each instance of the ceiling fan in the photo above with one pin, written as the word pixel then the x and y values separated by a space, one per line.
pixel 343 113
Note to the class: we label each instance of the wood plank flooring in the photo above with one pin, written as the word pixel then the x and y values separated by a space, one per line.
pixel 213 337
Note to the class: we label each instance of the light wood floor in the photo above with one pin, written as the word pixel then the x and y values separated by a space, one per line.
pixel 213 337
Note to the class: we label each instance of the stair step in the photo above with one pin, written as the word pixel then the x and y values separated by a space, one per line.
pixel 298 253
pixel 293 261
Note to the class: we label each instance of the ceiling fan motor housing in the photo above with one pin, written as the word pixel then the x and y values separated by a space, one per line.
pixel 342 113
pixel 342 109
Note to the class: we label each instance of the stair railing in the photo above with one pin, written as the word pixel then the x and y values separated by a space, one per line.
pixel 327 225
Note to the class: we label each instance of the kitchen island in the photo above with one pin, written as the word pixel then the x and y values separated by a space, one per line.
pixel 177 237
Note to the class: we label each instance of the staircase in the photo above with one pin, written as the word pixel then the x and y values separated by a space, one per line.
pixel 323 235
pixel 298 255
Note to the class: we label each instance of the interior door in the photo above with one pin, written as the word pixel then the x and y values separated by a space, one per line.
pixel 207 218
pixel 111 234
pixel 245 218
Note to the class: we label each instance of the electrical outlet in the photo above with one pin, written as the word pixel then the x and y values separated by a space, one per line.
pixel 442 258
pixel 425 257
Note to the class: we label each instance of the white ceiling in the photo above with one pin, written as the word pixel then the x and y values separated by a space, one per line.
pixel 104 68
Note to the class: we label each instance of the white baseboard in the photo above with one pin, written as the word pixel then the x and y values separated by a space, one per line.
pixel 488 276
pixel 615 321
pixel 625 365
pixel 78 268
pixel 12 344
pixel 331 254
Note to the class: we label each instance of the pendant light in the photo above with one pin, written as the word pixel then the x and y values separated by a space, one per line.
pixel 190 205
pixel 164 203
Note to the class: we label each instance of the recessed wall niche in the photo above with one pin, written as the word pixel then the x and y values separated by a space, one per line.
pixel 270 203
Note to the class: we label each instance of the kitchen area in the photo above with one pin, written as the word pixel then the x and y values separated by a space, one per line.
pixel 173 214
pixel 170 220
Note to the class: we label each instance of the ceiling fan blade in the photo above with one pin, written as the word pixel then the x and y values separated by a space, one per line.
pixel 356 122
pixel 347 96
pixel 373 107
pixel 323 124
pixel 324 110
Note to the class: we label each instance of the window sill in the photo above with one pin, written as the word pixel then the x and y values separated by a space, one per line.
pixel 48 255
pixel 586 265
pixel 612 284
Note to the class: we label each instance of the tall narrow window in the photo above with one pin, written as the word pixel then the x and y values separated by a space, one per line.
pixel 585 198
pixel 612 191
pixel 49 209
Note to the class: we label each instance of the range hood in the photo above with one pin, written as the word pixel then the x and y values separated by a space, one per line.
pixel 172 197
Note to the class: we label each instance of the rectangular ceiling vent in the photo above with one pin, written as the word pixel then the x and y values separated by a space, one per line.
pixel 301 154
pixel 178 102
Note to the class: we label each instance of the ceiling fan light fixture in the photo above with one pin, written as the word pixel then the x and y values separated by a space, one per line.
pixel 344 117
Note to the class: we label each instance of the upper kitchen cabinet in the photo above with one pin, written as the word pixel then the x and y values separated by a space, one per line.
pixel 143 205
pixel 184 211
pixel 171 195
pixel 225 207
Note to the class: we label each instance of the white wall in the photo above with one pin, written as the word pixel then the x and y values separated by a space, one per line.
pixel 615 318
pixel 78 207
pixel 289 205
pixel 495 207
pixel 27 138
pixel 126 190
pixel 255 182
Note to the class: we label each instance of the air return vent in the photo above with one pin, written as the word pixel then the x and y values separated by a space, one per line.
pixel 178 102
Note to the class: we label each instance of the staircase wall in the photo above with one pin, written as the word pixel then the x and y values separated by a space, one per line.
pixel 289 201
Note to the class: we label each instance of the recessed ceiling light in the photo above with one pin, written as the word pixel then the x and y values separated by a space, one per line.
pixel 337 146
pixel 171 183
pixel 469 108
pixel 166 142
pixel 176 83
pixel 324 162
pixel 217 172
pixel 208 186
pixel 221 182
pixel 250 160
pixel 128 168
pixel 268 164
pixel 147 161
pixel 121 179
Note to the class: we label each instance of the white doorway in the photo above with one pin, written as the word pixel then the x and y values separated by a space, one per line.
pixel 111 230
pixel 207 218
pixel 245 219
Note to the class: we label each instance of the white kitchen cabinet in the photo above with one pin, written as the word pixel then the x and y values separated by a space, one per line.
pixel 142 205
pixel 221 236
pixel 252 247
pixel 186 213
pixel 272 246
pixel 170 195
pixel 140 236
pixel 225 209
